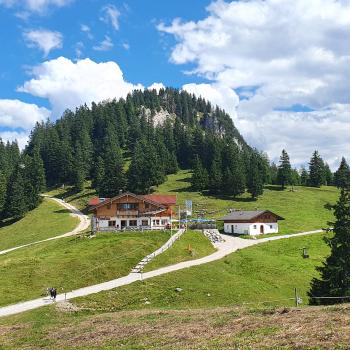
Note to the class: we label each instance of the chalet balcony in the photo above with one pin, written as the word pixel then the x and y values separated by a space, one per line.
pixel 128 213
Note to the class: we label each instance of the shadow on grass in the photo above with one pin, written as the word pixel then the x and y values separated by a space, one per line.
pixel 62 211
pixel 8 222
pixel 273 188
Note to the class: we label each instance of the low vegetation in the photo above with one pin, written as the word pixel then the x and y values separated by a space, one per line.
pixel 64 327
pixel 48 220
pixel 191 245
pixel 73 262
pixel 265 274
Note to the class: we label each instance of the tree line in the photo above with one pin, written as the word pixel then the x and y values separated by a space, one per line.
pixel 22 179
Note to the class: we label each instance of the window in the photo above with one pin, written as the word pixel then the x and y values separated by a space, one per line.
pixel 254 227
pixel 164 222
pixel 144 222
pixel 132 222
pixel 271 226
pixel 111 223
pixel 156 222
pixel 127 206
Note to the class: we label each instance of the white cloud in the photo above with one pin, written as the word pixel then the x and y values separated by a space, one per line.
pixel 45 40
pixel 87 30
pixel 219 95
pixel 156 86
pixel 68 84
pixel 104 45
pixel 21 137
pixel 281 53
pixel 38 6
pixel 110 15
pixel 17 114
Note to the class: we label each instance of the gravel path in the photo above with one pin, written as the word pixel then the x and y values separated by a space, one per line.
pixel 84 223
pixel 230 245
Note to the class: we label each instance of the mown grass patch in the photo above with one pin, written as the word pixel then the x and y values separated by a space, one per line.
pixel 73 262
pixel 264 275
pixel 191 245
pixel 49 219
pixel 304 209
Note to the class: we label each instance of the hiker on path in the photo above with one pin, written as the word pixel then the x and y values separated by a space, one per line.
pixel 54 293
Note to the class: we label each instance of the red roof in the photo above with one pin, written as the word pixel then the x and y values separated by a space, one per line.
pixel 95 200
pixel 162 199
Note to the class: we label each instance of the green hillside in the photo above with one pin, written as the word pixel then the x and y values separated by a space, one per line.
pixel 71 263
pixel 303 210
pixel 264 275
pixel 48 220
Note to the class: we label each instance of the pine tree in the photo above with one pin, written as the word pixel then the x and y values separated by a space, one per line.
pixel 342 175
pixel 3 185
pixel 199 177
pixel 316 171
pixel 113 180
pixel 273 173
pixel 255 184
pixel 328 175
pixel 284 172
pixel 16 204
pixel 304 177
pixel 215 176
pixel 78 169
pixel 335 272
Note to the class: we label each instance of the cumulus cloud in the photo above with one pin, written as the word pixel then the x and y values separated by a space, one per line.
pixel 110 15
pixel 19 118
pixel 104 45
pixel 68 84
pixel 17 114
pixel 45 40
pixel 87 30
pixel 156 86
pixel 39 6
pixel 224 97
pixel 274 54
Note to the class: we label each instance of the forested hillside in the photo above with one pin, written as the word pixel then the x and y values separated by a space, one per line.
pixel 133 144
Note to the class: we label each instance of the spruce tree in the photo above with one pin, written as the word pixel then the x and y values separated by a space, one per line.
pixel 3 184
pixel 304 177
pixel 215 176
pixel 334 280
pixel 328 175
pixel 284 172
pixel 316 171
pixel 255 184
pixel 16 204
pixel 342 175
pixel 199 177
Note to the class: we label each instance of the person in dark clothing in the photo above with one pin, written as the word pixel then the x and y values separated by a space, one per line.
pixel 54 293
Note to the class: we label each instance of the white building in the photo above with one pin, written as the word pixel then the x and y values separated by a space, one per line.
pixel 252 223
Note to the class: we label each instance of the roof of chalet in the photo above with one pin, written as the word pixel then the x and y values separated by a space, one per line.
pixel 143 198
pixel 165 199
pixel 242 215
pixel 95 200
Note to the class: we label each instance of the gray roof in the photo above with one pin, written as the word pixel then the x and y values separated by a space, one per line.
pixel 246 215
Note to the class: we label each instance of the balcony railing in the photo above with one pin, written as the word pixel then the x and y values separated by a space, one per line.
pixel 127 213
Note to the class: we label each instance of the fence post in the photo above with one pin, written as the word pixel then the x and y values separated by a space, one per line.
pixel 296 297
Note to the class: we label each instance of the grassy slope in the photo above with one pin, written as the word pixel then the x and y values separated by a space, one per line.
pixel 70 263
pixel 191 245
pixel 215 329
pixel 265 272
pixel 79 200
pixel 303 209
pixel 48 220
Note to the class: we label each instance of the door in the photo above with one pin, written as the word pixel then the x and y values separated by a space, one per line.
pixel 123 223
pixel 262 229
pixel 232 229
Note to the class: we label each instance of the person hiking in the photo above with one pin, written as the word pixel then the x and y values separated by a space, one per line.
pixel 54 293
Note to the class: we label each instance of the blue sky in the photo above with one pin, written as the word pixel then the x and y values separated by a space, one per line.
pixel 280 69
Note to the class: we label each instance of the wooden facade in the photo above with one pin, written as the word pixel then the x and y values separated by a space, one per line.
pixel 128 210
